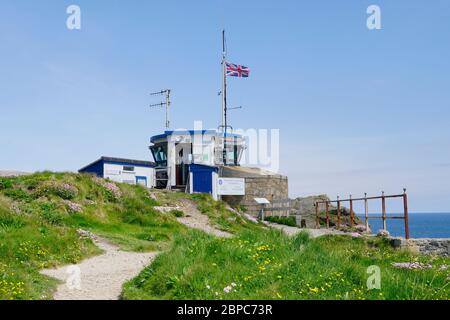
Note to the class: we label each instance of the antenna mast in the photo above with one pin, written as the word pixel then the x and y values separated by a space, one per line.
pixel 224 97
pixel 224 84
pixel 166 104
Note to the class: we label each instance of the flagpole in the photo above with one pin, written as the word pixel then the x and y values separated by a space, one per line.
pixel 224 97
pixel 224 79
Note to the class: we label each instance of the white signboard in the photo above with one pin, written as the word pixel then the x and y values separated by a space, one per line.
pixel 262 201
pixel 231 186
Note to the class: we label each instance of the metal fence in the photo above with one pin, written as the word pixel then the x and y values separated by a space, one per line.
pixel 366 200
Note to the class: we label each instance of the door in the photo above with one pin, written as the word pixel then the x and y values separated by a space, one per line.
pixel 142 181
pixel 202 181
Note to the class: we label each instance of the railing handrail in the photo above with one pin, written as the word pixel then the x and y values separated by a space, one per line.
pixel 383 216
pixel 360 199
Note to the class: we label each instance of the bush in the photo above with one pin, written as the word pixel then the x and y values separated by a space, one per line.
pixel 50 214
pixel 17 194
pixel 62 190
pixel 111 191
pixel 288 221
pixel 5 184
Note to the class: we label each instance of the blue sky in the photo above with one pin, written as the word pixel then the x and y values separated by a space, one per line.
pixel 358 110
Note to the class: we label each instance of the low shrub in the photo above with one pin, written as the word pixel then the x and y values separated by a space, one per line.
pixel 73 207
pixel 5 184
pixel 49 213
pixel 18 194
pixel 62 190
pixel 111 190
pixel 288 221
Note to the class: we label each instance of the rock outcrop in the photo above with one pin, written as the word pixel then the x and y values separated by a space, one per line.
pixel 305 207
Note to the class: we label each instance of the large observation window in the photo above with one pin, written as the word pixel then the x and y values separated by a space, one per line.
pixel 159 152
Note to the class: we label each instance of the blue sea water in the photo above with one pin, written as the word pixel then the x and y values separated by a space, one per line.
pixel 421 225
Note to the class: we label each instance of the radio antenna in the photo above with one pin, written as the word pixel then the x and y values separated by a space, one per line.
pixel 166 104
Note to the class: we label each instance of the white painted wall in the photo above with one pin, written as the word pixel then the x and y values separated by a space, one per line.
pixel 215 178
pixel 115 172
pixel 203 154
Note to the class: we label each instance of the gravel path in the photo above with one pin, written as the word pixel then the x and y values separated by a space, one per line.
pixel 101 277
pixel 195 219
pixel 314 233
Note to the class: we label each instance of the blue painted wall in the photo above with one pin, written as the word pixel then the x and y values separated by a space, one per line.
pixel 96 168
pixel 202 177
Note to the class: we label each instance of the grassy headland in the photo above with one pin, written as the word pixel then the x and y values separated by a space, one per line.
pixel 40 215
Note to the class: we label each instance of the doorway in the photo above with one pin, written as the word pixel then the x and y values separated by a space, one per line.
pixel 183 153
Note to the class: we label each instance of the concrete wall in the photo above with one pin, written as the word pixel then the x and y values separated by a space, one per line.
pixel 257 185
pixel 115 172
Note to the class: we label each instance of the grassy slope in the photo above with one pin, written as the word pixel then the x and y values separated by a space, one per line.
pixel 269 265
pixel 38 229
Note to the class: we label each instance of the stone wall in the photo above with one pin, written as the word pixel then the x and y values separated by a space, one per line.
pixel 258 184
pixel 439 247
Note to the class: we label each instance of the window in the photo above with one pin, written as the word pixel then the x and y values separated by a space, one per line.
pixel 160 154
pixel 128 168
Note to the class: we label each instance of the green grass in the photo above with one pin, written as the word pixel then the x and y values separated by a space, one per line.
pixel 270 265
pixel 40 215
pixel 38 227
pixel 29 243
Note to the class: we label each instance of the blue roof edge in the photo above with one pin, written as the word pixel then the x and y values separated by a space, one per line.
pixel 190 132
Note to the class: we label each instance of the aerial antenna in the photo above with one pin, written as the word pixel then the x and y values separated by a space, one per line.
pixel 166 104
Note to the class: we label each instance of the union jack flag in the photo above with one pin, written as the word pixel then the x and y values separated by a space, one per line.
pixel 234 70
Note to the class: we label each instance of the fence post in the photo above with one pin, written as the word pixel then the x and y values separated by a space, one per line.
pixel 405 213
pixel 338 212
pixel 366 211
pixel 317 215
pixel 383 208
pixel 351 212
pixel 328 216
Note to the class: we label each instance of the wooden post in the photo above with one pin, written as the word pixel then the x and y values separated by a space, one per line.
pixel 338 212
pixel 328 215
pixel 405 213
pixel 317 215
pixel 351 212
pixel 383 208
pixel 366 211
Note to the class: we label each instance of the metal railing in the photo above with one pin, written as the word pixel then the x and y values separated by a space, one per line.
pixel 366 199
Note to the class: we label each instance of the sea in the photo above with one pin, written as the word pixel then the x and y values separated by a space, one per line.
pixel 421 225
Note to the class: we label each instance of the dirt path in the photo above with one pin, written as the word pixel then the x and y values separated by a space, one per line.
pixel 314 233
pixel 101 277
pixel 195 219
